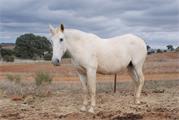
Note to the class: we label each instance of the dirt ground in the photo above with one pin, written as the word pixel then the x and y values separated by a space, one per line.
pixel 160 96
pixel 160 101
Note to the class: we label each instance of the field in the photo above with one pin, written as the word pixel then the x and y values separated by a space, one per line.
pixel 62 99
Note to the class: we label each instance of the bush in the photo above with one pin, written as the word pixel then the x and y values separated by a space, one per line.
pixel 67 55
pixel 5 52
pixel 42 78
pixel 10 77
pixel 14 78
pixel 48 56
pixel 159 51
pixel 177 49
pixel 8 58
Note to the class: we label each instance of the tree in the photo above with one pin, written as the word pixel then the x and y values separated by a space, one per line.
pixel 0 52
pixel 177 49
pixel 67 55
pixel 30 46
pixel 159 51
pixel 170 47
pixel 148 47
pixel 4 52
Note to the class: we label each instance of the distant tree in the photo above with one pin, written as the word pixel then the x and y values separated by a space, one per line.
pixel 170 47
pixel 48 56
pixel 177 49
pixel 159 51
pixel 30 46
pixel 148 47
pixel 0 52
pixel 150 50
pixel 4 52
pixel 8 58
pixel 67 55
pixel 7 54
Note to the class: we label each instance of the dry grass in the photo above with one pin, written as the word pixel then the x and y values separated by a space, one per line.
pixel 42 77
pixel 14 86
pixel 14 78
pixel 25 88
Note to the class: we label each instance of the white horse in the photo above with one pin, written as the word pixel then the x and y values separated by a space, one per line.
pixel 92 54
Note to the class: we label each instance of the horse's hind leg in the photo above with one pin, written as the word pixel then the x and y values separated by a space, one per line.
pixel 140 84
pixel 138 78
pixel 134 77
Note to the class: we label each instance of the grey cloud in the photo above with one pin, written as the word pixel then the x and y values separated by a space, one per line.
pixel 102 17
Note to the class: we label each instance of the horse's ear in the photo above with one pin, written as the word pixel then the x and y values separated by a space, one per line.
pixel 62 27
pixel 51 29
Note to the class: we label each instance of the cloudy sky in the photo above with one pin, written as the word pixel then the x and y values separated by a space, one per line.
pixel 156 21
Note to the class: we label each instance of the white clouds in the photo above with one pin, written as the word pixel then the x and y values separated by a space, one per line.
pixel 102 17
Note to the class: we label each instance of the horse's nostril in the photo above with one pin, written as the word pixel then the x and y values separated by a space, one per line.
pixel 57 60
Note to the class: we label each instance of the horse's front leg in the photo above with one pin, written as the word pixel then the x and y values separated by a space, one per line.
pixel 83 79
pixel 91 76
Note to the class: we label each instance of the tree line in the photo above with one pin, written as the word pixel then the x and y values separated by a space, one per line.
pixel 169 48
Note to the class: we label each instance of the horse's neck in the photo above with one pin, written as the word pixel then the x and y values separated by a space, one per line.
pixel 72 39
pixel 77 41
pixel 72 34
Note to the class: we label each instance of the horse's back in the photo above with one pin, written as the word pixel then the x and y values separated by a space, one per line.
pixel 117 52
pixel 133 45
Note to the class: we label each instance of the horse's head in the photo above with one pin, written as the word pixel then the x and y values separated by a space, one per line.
pixel 57 40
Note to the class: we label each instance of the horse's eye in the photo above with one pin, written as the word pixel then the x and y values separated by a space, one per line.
pixel 61 39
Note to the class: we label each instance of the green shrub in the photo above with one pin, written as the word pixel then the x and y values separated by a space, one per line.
pixel 17 79
pixel 8 58
pixel 14 78
pixel 48 56
pixel 5 52
pixel 42 78
pixel 159 51
pixel 10 77
pixel 177 49
pixel 67 55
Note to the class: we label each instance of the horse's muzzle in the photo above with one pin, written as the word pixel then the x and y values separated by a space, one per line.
pixel 56 62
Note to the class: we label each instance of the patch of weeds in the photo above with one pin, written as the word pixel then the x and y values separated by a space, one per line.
pixel 43 81
pixel 10 77
pixel 14 78
pixel 42 78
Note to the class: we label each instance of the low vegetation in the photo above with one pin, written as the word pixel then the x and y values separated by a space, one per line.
pixel 13 78
pixel 9 52
pixel 48 56
pixel 42 78
pixel 8 58
pixel 15 86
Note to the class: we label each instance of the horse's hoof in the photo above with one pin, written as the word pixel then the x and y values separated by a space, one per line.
pixel 83 109
pixel 91 110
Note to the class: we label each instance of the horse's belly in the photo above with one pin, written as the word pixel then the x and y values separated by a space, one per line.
pixel 112 67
